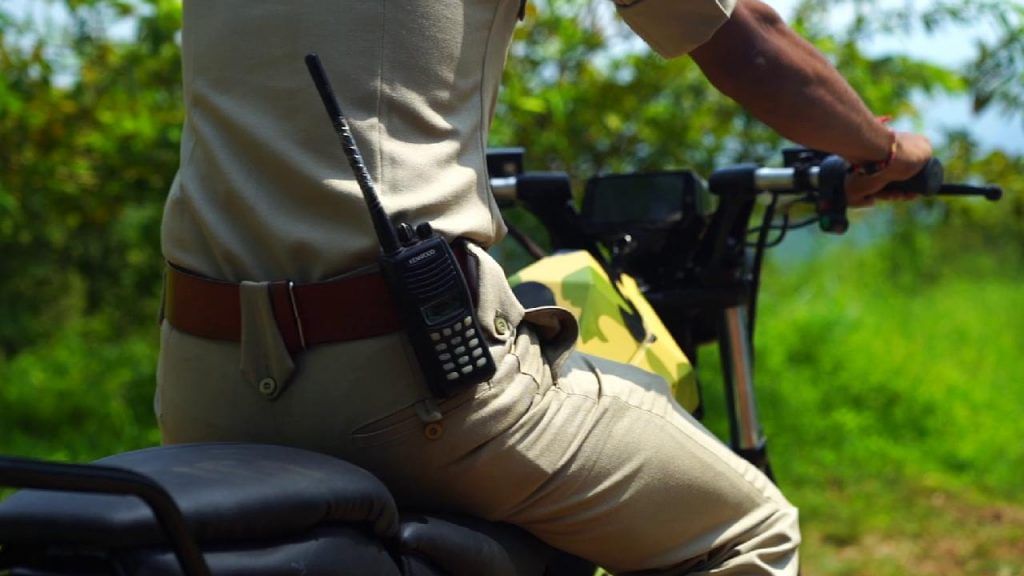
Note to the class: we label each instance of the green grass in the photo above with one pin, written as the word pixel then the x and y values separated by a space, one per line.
pixel 890 382
pixel 894 411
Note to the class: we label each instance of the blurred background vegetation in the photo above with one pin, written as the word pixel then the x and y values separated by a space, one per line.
pixel 890 361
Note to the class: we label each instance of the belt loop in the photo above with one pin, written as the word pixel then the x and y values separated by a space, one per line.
pixel 295 313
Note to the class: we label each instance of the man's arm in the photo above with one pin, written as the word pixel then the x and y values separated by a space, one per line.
pixel 757 60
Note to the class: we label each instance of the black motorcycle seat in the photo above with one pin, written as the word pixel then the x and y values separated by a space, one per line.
pixel 226 492
pixel 427 546
pixel 255 510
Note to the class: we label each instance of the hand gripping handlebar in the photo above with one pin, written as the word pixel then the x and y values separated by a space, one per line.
pixel 824 184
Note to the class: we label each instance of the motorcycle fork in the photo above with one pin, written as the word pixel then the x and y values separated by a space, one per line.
pixel 734 346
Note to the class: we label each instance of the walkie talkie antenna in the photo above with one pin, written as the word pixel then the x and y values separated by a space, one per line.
pixel 381 223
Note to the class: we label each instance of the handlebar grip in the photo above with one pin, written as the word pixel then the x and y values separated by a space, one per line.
pixel 926 182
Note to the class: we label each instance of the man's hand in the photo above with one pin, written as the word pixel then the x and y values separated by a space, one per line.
pixel 912 152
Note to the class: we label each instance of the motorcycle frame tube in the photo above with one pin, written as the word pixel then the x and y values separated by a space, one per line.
pixel 738 372
pixel 34 474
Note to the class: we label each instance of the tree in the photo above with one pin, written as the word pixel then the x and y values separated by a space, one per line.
pixel 90 126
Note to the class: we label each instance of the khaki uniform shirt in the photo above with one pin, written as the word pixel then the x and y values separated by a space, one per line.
pixel 264 192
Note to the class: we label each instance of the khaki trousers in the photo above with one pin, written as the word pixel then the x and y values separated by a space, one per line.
pixel 593 457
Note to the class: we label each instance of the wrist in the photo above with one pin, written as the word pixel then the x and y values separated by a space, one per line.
pixel 878 162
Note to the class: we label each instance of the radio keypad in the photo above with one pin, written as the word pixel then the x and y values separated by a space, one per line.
pixel 461 349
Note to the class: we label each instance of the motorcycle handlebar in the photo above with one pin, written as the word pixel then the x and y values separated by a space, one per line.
pixel 504 188
pixel 751 179
pixel 822 183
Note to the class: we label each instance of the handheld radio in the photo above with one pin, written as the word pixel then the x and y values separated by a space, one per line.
pixel 424 277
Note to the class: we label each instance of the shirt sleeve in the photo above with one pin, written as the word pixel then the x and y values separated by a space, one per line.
pixel 675 27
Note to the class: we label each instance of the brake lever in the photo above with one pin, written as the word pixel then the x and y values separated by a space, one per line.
pixel 991 193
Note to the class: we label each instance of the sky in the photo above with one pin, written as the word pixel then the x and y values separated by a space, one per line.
pixel 952 49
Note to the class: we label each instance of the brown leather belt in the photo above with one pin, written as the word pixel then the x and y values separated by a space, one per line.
pixel 348 308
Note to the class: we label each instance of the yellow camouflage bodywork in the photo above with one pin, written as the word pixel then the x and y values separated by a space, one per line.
pixel 578 283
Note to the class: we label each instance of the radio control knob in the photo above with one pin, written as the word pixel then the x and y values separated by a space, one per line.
pixel 405 235
pixel 424 230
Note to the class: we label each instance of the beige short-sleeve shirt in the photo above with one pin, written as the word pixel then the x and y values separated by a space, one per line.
pixel 263 191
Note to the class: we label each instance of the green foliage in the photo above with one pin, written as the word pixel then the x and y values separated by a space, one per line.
pixel 91 128
pixel 83 394
pixel 583 103
pixel 993 76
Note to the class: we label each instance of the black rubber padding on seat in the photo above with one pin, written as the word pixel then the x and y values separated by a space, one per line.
pixel 227 493
pixel 327 551
pixel 459 545
pixel 334 551
pixel 416 566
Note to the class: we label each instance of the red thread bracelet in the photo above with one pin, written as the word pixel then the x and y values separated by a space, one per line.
pixel 869 168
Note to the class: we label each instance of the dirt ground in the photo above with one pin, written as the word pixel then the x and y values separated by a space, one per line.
pixel 953 538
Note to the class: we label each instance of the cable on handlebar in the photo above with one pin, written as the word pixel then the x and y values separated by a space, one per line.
pixel 803 223
pixel 785 225
pixel 782 228
pixel 755 280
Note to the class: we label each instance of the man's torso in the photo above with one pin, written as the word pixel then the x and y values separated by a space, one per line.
pixel 264 191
